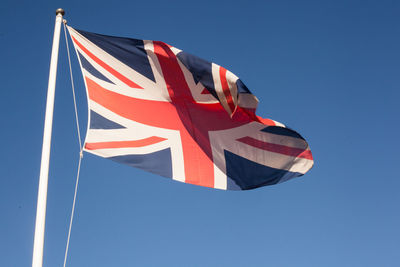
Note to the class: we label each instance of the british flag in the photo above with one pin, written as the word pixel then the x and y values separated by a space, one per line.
pixel 157 108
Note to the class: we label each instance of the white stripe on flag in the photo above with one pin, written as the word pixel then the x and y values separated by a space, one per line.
pixel 218 87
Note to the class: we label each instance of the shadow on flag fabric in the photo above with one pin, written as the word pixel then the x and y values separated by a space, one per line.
pixel 157 108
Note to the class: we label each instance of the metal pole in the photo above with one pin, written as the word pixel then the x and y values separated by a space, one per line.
pixel 37 260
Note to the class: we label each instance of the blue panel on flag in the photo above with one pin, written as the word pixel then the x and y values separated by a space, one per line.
pixel 89 67
pixel 129 51
pixel 242 88
pixel 200 69
pixel 281 131
pixel 248 174
pixel 231 184
pixel 99 122
pixel 157 162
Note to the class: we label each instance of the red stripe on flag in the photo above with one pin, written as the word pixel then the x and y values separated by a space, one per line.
pixel 266 121
pixel 139 110
pixel 122 144
pixel 107 67
pixel 281 149
pixel 199 167
pixel 225 88
pixel 205 92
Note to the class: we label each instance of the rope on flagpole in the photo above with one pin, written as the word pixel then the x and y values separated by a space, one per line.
pixel 73 209
pixel 73 87
pixel 80 147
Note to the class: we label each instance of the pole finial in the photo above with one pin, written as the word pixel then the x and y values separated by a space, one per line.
pixel 60 11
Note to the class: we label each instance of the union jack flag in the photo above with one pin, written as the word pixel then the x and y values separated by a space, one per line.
pixel 157 108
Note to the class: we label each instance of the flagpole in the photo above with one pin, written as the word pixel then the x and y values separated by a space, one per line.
pixel 38 243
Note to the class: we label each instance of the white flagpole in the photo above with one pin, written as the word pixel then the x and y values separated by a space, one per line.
pixel 37 260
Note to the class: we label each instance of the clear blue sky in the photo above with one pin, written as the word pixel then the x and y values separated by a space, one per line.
pixel 328 69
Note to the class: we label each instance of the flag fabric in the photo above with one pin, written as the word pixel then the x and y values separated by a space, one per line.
pixel 157 108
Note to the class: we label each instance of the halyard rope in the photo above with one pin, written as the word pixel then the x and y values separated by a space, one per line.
pixel 73 87
pixel 80 146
